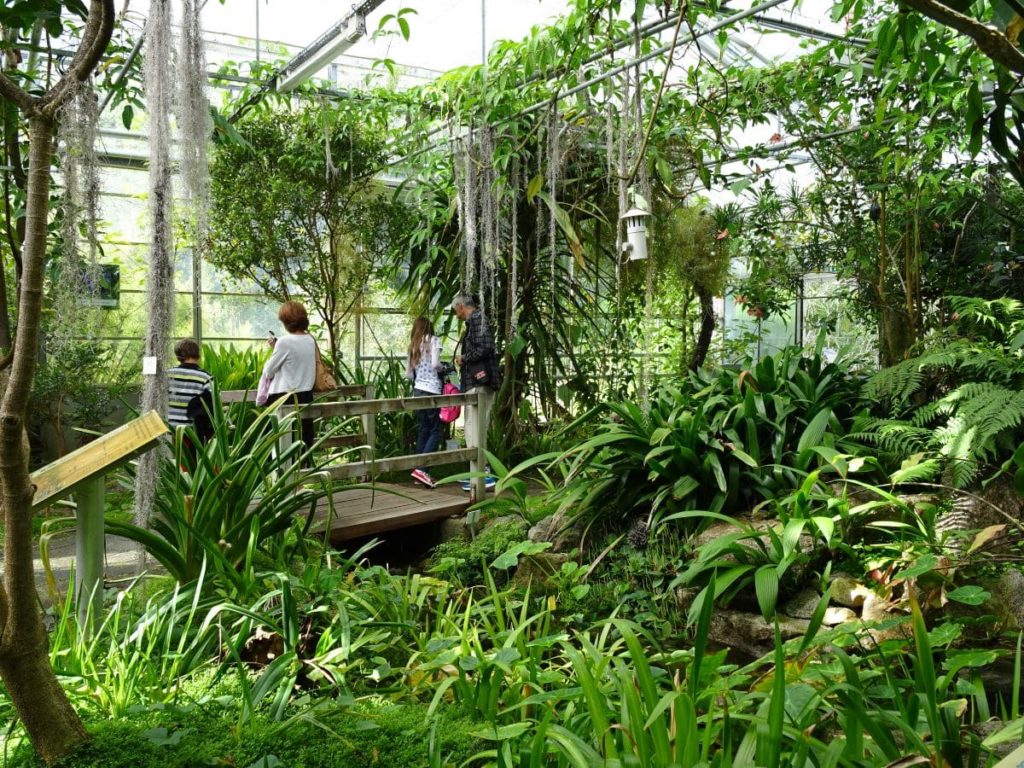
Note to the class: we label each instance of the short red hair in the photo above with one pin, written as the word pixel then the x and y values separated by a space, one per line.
pixel 293 317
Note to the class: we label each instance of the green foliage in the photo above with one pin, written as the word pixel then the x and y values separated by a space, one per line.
pixel 204 733
pixel 227 508
pixel 235 368
pixel 296 211
pixel 465 562
pixel 79 384
pixel 962 397
pixel 723 442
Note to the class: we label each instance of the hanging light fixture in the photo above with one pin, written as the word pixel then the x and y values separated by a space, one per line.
pixel 636 233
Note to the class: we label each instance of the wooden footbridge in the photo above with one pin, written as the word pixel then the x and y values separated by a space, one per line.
pixel 363 509
pixel 372 507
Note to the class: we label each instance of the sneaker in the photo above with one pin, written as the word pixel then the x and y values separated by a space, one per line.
pixel 421 476
pixel 489 482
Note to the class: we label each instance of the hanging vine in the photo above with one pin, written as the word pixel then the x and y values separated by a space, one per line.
pixel 160 277
pixel 77 281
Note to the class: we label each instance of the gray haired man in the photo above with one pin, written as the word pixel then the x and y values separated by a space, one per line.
pixel 478 370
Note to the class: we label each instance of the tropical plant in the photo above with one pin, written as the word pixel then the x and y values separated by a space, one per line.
pixel 723 442
pixel 296 210
pixel 80 384
pixel 227 507
pixel 961 398
pixel 235 368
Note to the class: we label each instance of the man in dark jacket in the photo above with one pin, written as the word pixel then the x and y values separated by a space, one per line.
pixel 478 363
pixel 478 369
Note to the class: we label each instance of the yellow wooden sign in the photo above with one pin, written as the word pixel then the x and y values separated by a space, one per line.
pixel 59 479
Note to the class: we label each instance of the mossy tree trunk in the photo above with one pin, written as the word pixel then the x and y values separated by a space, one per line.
pixel 51 722
pixel 707 327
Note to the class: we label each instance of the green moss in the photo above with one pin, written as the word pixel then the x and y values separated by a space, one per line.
pixel 370 734
pixel 464 561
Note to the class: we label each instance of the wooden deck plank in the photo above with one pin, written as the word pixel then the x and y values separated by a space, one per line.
pixel 361 512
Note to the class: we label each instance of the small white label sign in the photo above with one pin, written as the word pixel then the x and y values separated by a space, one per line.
pixel 149 365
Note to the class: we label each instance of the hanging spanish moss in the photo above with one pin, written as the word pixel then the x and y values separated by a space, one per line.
pixel 554 168
pixel 160 277
pixel 193 117
pixel 77 283
pixel 195 127
pixel 513 252
pixel 490 208
pixel 469 223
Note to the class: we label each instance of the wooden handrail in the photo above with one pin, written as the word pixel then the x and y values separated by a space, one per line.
pixel 399 463
pixel 228 396
pixel 389 405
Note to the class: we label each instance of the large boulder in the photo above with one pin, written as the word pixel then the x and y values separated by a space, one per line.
pixel 749 633
pixel 557 529
pixel 537 571
pixel 1007 600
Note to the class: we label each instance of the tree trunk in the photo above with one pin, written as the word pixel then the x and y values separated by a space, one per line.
pixel 5 312
pixel 895 335
pixel 707 328
pixel 49 719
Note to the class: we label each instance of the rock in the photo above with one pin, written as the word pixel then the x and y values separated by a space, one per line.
pixel 1007 601
pixel 802 604
pixel 895 624
pixel 985 729
pixel 749 633
pixel 716 531
pixel 556 529
pixel 535 571
pixel 453 528
pixel 835 616
pixel 980 508
pixel 847 591
pixel 685 597
pixel 262 647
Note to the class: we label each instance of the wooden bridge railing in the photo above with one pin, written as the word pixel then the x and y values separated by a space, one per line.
pixel 368 408
pixel 476 436
pixel 367 440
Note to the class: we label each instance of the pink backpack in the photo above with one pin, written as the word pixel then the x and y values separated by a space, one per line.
pixel 450 413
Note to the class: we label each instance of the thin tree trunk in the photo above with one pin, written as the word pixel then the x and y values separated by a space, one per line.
pixel 707 328
pixel 5 310
pixel 49 719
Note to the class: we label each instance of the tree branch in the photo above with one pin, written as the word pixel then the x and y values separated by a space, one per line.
pixel 28 104
pixel 95 38
pixel 990 41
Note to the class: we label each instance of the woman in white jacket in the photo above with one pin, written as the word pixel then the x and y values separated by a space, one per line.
pixel 291 369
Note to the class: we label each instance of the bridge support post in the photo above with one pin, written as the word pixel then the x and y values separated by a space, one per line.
pixel 370 431
pixel 90 547
pixel 476 437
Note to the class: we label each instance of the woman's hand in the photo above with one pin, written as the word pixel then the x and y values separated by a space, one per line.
pixel 458 360
pixel 272 341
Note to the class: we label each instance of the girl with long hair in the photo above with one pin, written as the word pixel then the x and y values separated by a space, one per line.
pixel 423 366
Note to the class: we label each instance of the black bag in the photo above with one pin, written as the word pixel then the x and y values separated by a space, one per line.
pixel 478 374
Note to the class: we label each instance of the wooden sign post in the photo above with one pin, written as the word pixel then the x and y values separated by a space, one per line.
pixel 82 472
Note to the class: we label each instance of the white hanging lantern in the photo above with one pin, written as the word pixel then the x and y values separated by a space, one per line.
pixel 636 233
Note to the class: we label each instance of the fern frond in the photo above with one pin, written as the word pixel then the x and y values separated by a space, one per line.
pixel 894 436
pixel 916 471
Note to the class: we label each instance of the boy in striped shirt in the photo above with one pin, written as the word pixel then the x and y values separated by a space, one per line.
pixel 190 395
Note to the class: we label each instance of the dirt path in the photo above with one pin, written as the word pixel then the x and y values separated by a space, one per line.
pixel 121 562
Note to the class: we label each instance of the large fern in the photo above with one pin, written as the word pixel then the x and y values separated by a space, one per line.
pixel 962 397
